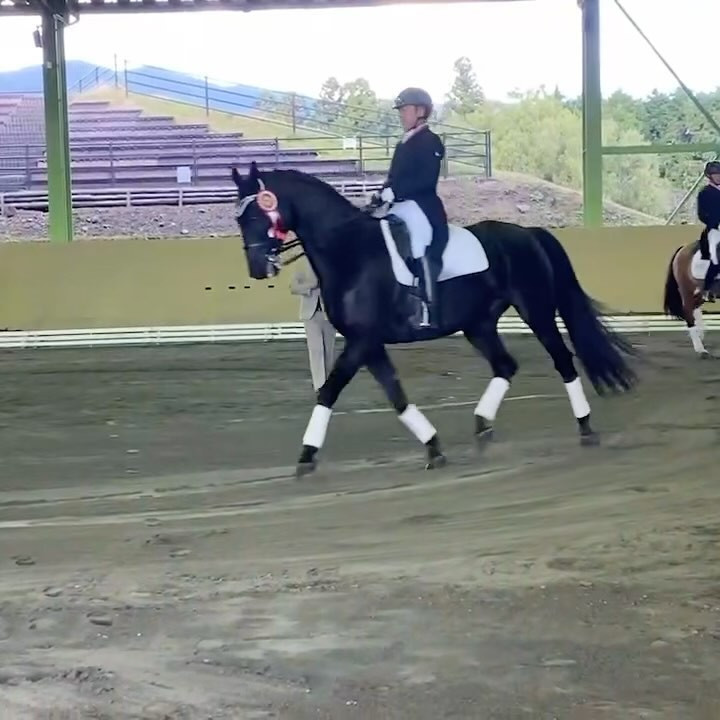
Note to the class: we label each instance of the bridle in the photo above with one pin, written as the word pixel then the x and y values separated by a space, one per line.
pixel 267 201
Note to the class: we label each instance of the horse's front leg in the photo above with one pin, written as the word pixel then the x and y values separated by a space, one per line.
pixel 346 366
pixel 696 327
pixel 382 369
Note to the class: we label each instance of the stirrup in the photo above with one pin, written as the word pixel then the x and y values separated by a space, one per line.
pixel 425 317
pixel 429 311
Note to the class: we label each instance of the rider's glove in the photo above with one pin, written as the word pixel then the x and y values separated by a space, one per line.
pixel 387 195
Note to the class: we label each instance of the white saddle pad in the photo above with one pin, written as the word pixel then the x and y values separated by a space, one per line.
pixel 464 255
pixel 698 266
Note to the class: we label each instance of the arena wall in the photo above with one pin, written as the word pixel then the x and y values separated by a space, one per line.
pixel 131 282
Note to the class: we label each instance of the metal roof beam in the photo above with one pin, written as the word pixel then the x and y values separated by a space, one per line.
pixel 90 7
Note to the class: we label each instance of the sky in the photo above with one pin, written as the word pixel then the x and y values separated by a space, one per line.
pixel 512 45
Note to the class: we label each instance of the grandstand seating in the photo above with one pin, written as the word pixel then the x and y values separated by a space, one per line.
pixel 121 147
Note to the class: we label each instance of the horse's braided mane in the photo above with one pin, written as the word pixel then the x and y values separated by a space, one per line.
pixel 315 182
pixel 328 191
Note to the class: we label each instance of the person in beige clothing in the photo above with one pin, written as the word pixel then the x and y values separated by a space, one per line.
pixel 319 331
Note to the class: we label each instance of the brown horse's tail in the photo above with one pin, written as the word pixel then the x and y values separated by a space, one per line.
pixel 672 302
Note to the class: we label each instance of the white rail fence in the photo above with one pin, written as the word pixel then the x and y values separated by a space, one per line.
pixel 266 332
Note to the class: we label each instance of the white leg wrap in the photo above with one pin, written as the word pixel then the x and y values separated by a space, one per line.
pixel 696 338
pixel 492 397
pixel 578 401
pixel 417 424
pixel 317 427
pixel 699 322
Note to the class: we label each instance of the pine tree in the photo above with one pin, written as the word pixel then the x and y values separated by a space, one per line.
pixel 466 94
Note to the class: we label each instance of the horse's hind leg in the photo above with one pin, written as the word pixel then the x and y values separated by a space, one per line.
pixel 485 338
pixel 541 320
pixel 380 365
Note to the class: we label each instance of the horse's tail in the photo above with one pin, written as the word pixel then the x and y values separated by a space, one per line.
pixel 601 351
pixel 672 301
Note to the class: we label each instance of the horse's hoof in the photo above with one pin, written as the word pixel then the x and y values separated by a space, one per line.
pixel 305 468
pixel 590 440
pixel 485 436
pixel 705 355
pixel 483 427
pixel 436 462
pixel 435 458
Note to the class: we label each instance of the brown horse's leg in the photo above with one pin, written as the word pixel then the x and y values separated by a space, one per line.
pixel 693 316
pixel 698 316
pixel 682 297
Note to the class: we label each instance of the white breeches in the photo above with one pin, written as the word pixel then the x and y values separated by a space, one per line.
pixel 713 241
pixel 320 336
pixel 418 226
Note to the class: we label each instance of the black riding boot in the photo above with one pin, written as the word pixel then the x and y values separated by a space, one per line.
pixel 704 245
pixel 710 281
pixel 430 272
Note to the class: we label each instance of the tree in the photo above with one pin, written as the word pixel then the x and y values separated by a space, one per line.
pixel 350 108
pixel 331 97
pixel 276 105
pixel 466 94
pixel 540 134
pixel 360 106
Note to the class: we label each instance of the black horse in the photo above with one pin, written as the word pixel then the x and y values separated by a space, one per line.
pixel 350 254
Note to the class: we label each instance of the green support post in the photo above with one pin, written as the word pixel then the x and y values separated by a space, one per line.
pixel 56 126
pixel 592 114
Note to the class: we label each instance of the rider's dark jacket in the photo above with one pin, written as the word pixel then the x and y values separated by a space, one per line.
pixel 708 207
pixel 708 211
pixel 414 174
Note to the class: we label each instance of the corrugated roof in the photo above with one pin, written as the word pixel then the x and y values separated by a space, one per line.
pixel 32 7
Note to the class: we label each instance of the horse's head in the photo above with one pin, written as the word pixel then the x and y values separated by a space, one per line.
pixel 264 219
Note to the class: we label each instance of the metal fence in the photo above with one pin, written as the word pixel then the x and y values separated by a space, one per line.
pixel 148 163
pixel 468 150
pixel 157 156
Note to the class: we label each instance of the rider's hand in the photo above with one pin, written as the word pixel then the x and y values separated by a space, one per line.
pixel 374 202
pixel 387 195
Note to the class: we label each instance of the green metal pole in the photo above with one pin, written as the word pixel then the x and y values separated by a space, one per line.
pixel 56 128
pixel 592 115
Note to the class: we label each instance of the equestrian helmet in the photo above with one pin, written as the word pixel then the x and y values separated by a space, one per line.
pixel 712 168
pixel 414 96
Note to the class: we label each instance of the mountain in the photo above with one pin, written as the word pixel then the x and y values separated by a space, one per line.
pixel 151 80
pixel 30 80
pixel 148 80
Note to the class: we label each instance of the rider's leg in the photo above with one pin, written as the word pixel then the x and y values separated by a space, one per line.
pixel 432 266
pixel 704 245
pixel 417 224
pixel 713 240
pixel 710 277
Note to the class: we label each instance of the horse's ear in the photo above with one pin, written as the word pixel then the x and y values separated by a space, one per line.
pixel 236 176
pixel 254 172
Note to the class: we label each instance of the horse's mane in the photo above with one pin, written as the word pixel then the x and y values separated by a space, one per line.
pixel 348 212
pixel 316 183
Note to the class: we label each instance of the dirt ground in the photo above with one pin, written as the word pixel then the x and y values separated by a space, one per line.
pixel 158 560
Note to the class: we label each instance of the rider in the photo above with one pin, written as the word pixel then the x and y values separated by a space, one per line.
pixel 412 188
pixel 708 210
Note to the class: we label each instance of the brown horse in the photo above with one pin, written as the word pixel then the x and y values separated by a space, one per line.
pixel 683 292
